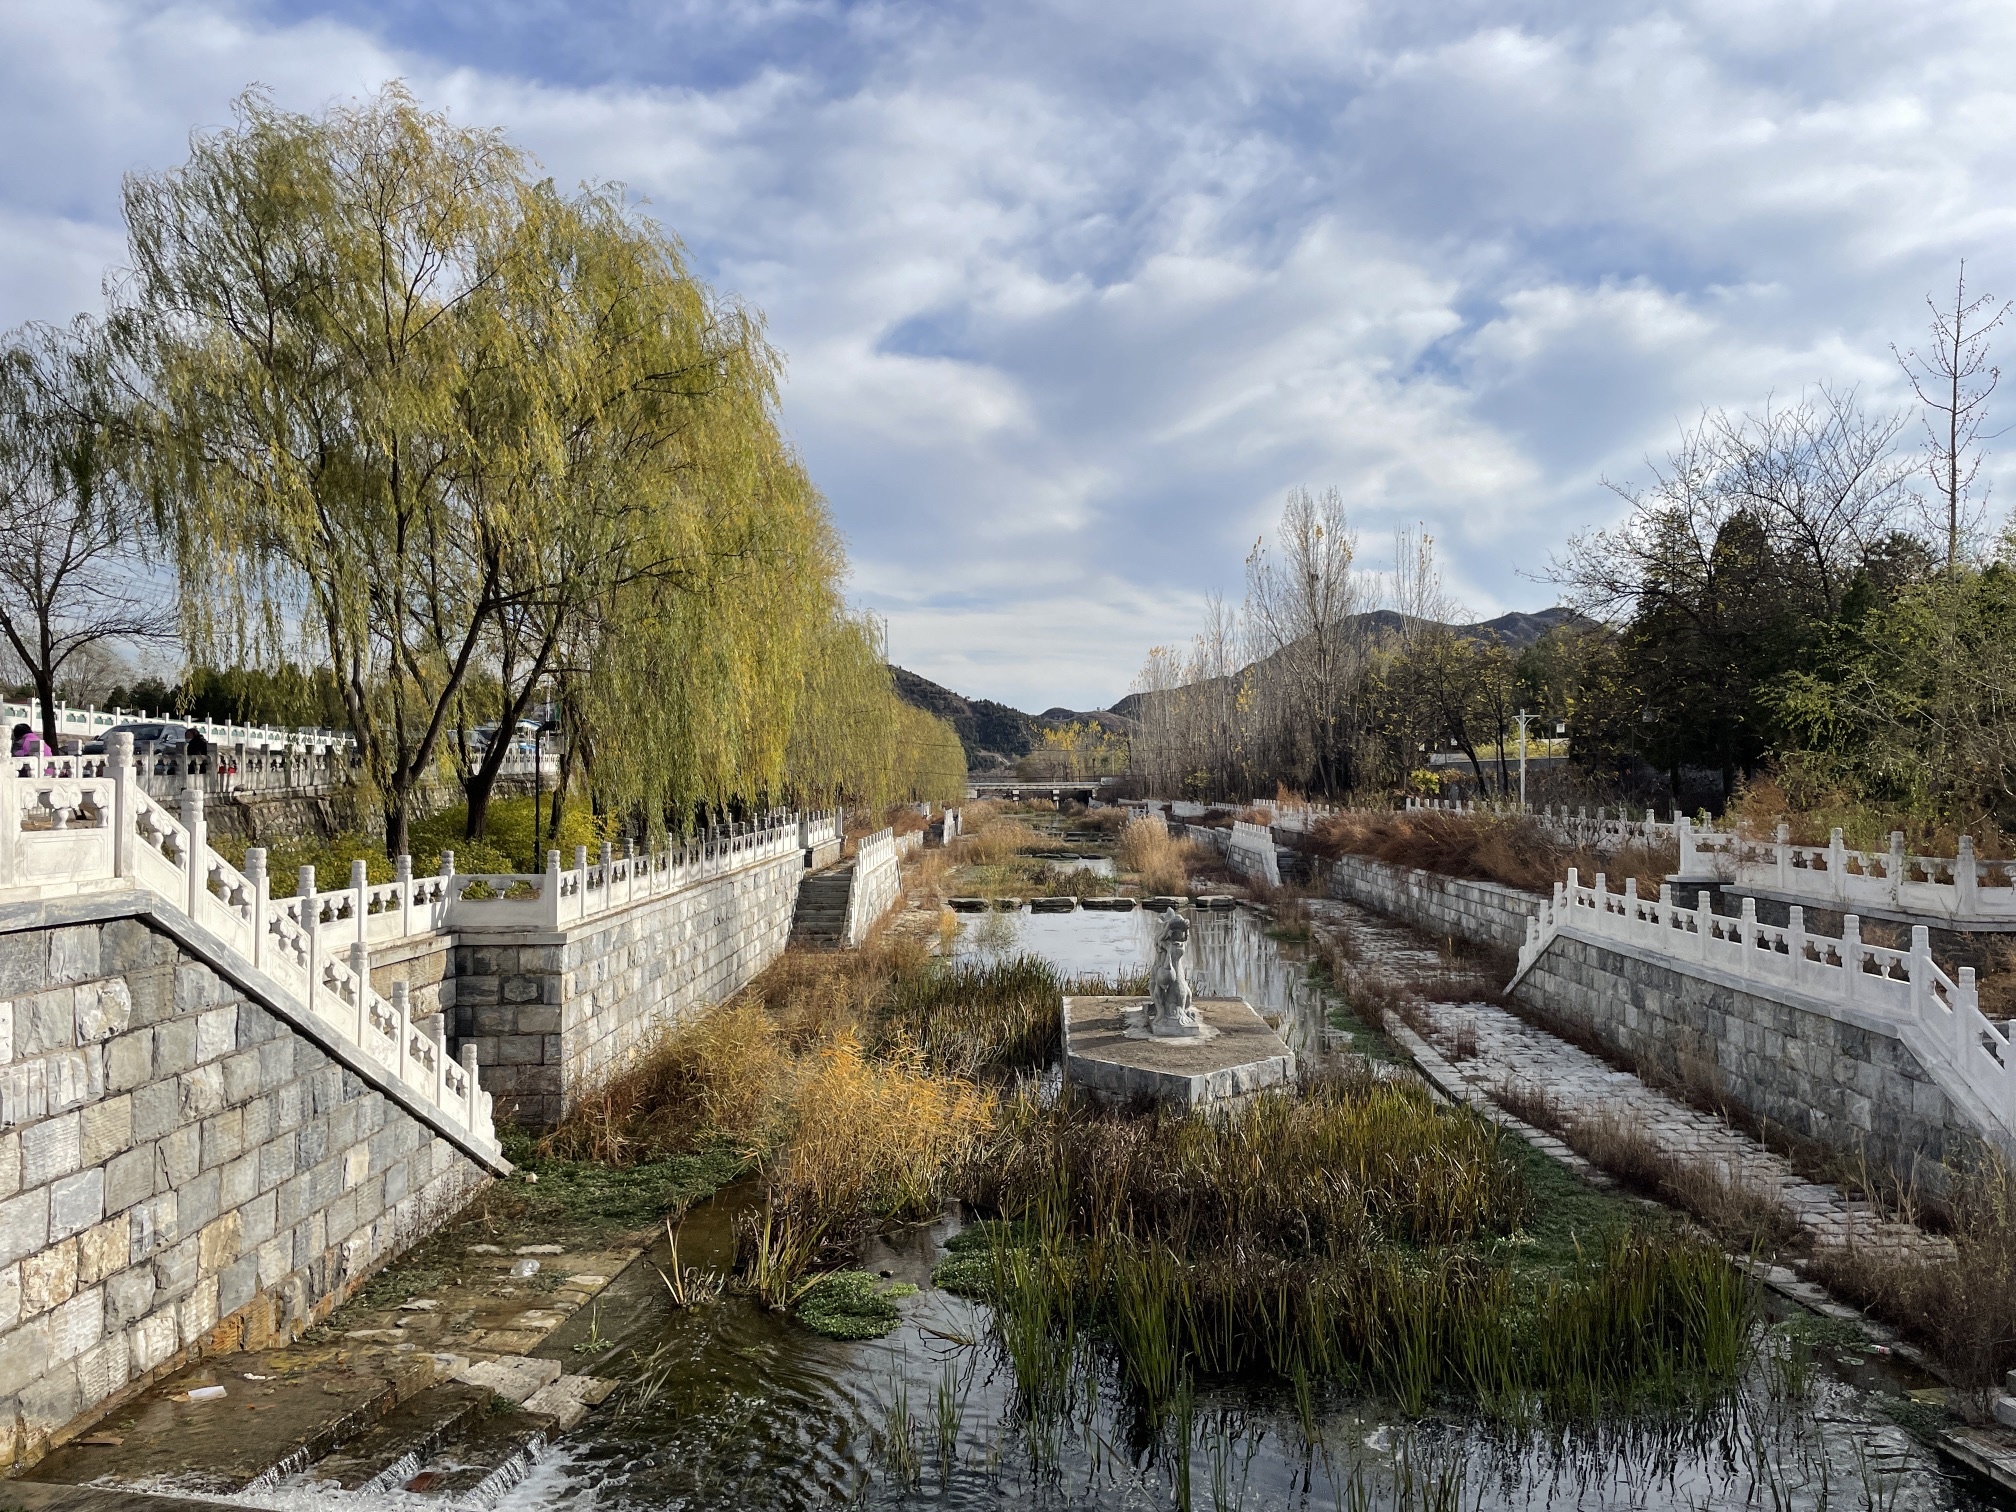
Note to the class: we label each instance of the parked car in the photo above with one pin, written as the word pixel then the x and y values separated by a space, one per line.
pixel 165 738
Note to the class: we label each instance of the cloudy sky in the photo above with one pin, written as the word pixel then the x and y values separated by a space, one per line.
pixel 1072 294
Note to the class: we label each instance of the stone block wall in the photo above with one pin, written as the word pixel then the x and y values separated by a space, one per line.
pixel 551 1015
pixel 180 1170
pixel 1483 913
pixel 1848 1085
pixel 425 964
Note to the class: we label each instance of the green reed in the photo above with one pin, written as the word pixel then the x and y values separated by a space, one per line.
pixel 1355 1234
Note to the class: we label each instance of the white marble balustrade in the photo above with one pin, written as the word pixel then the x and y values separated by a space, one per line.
pixel 1939 1017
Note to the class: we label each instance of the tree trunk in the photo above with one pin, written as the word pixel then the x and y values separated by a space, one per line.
pixel 398 826
pixel 45 696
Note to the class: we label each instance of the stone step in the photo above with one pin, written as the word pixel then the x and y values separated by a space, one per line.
pixel 391 1451
pixel 279 1412
pixel 487 1458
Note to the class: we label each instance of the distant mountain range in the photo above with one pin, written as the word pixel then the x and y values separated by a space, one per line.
pixel 1517 630
pixel 994 734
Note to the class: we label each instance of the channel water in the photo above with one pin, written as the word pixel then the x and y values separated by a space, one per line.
pixel 730 1406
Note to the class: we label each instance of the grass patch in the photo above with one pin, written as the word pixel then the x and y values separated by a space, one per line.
pixel 1956 1301
pixel 588 1195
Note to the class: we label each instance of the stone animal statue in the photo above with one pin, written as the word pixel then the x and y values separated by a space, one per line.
pixel 1174 1013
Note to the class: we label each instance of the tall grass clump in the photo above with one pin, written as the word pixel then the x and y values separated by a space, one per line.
pixel 1158 858
pixel 997 840
pixel 1356 1234
pixel 972 1017
pixel 1957 1300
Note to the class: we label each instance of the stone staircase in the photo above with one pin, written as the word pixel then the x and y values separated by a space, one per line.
pixel 820 922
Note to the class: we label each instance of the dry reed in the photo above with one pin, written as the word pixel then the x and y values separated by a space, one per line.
pixel 1485 847
pixel 1160 861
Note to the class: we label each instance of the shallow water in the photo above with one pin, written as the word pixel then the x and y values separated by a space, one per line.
pixel 1231 955
pixel 748 1411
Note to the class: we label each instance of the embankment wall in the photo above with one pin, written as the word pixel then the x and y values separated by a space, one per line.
pixel 1482 913
pixel 181 1170
pixel 1847 1083
pixel 551 1014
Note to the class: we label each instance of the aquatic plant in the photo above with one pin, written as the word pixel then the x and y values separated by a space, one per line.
pixel 1160 861
pixel 851 1304
pixel 966 1017
pixel 1355 1234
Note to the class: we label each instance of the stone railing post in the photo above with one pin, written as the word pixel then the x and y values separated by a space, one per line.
pixel 1795 943
pixel 1851 958
pixel 402 1024
pixel 1897 868
pixel 262 889
pixel 1921 972
pixel 630 870
pixel 360 896
pixel 471 1086
pixel 1782 844
pixel 1966 1009
pixel 447 863
pixel 1966 877
pixel 549 892
pixel 304 901
pixel 1746 937
pixel 1837 864
pixel 437 1037
pixel 125 807
pixel 402 873
pixel 360 971
pixel 1704 923
pixel 1684 833
pixel 195 865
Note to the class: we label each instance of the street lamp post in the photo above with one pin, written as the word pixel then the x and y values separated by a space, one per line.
pixel 1523 718
pixel 550 727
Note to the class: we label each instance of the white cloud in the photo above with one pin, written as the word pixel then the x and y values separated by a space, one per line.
pixel 1071 295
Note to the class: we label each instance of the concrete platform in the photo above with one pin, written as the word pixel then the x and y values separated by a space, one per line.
pixel 1244 1056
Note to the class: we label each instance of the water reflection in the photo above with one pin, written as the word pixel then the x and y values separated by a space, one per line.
pixel 1231 955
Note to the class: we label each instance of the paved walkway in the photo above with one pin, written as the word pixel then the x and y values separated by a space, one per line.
pixel 1479 1050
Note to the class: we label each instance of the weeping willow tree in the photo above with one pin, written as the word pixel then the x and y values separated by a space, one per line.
pixel 412 414
pixel 855 741
pixel 309 304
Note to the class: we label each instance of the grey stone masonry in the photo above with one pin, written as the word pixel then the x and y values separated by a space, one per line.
pixel 1840 1084
pixel 1483 913
pixel 551 1014
pixel 180 1171
pixel 1843 1085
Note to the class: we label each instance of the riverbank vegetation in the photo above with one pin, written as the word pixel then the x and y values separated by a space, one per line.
pixel 1781 610
pixel 1352 1236
pixel 1486 846
pixel 1349 1236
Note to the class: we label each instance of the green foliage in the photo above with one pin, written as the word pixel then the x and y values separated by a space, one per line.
pixel 852 1304
pixel 414 415
pixel 285 696
pixel 1910 706
pixel 508 849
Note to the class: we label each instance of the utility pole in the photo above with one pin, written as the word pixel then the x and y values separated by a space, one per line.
pixel 1523 717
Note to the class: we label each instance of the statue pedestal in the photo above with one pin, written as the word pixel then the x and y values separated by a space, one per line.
pixel 1108 1059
